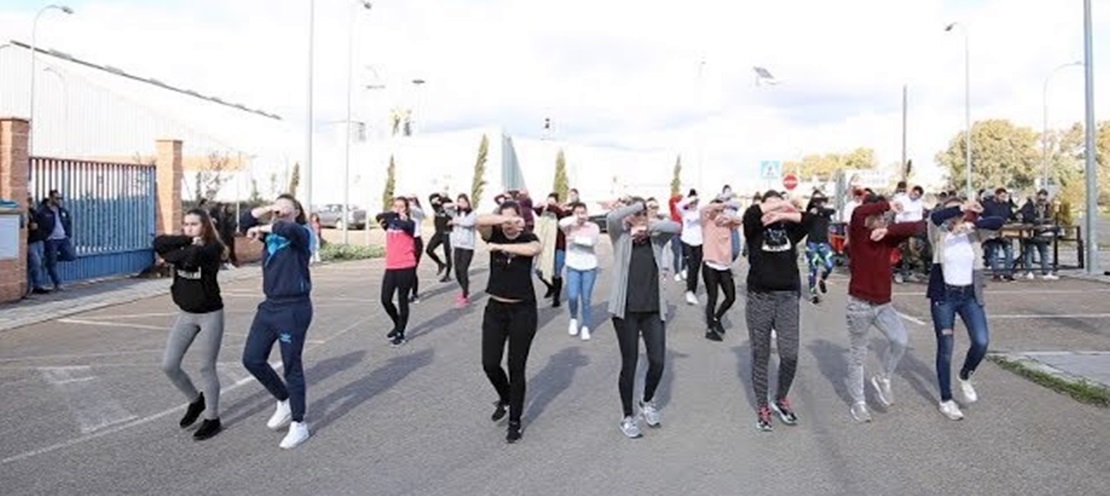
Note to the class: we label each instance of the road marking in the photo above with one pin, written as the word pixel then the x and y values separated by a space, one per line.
pixel 913 319
pixel 1018 291
pixel 135 422
pixel 88 399
pixel 1052 316
pixel 90 355
pixel 114 324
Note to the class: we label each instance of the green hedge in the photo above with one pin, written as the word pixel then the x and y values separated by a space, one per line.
pixel 334 252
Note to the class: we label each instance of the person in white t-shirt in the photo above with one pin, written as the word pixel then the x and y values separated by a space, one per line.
pixel 913 210
pixel 692 241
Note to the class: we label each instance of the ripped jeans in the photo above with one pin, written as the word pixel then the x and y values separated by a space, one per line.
pixel 958 300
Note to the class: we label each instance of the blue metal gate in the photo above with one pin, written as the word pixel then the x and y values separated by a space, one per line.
pixel 113 211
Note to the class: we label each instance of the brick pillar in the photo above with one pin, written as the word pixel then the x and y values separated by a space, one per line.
pixel 14 164
pixel 169 175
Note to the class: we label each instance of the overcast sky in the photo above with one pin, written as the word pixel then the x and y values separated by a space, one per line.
pixel 616 72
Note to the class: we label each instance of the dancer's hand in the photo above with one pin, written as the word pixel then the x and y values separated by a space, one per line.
pixel 878 234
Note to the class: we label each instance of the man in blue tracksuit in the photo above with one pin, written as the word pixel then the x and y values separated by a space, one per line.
pixel 285 314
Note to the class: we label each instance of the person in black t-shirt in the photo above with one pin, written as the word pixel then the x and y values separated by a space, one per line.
pixel 773 230
pixel 442 236
pixel 510 315
pixel 818 250
pixel 196 257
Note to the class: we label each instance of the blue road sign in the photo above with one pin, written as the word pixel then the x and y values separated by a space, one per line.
pixel 770 170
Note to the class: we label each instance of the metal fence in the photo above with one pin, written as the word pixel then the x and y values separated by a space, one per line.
pixel 113 211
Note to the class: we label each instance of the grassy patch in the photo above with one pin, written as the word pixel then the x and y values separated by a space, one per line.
pixel 335 252
pixel 1082 391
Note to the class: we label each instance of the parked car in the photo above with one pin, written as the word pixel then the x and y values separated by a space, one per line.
pixel 331 216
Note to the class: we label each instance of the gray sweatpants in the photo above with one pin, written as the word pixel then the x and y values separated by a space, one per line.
pixel 861 316
pixel 778 311
pixel 209 328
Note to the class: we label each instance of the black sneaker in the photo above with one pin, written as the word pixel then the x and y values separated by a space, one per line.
pixel 514 433
pixel 719 327
pixel 763 421
pixel 1008 278
pixel 391 334
pixel 445 278
pixel 500 409
pixel 193 412
pixel 41 291
pixel 816 300
pixel 440 269
pixel 712 335
pixel 398 340
pixel 208 428
pixel 823 287
pixel 785 412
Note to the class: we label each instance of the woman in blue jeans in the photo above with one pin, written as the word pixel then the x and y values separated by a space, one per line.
pixel 581 262
pixel 956 288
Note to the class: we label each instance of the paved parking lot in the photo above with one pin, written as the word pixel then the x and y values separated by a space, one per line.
pixel 90 411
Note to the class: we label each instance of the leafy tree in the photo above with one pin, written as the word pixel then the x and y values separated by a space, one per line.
pixel 479 181
pixel 295 179
pixel 390 185
pixel 676 177
pixel 825 166
pixel 562 184
pixel 1002 154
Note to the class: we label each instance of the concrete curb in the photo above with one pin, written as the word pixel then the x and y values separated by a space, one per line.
pixel 139 290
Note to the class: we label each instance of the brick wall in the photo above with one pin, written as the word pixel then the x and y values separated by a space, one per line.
pixel 247 251
pixel 168 171
pixel 14 165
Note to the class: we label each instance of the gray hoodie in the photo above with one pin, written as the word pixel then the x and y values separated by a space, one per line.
pixel 662 230
pixel 463 233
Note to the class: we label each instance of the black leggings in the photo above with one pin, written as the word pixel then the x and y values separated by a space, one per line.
pixel 418 245
pixel 629 329
pixel 441 238
pixel 398 281
pixel 463 257
pixel 693 264
pixel 717 279
pixel 515 323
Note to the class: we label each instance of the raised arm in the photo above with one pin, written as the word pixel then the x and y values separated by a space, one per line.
pixel 295 233
pixel 615 218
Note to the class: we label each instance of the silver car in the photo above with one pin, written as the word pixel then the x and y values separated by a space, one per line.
pixel 331 216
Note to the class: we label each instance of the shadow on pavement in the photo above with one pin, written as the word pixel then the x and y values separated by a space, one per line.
pixel 744 371
pixel 920 375
pixel 663 394
pixel 341 401
pixel 315 374
pixel 832 361
pixel 553 379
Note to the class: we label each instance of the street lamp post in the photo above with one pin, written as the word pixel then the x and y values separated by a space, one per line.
pixel 967 101
pixel 34 49
pixel 347 146
pixel 417 83
pixel 309 128
pixel 1091 217
pixel 1044 132
pixel 376 86
pixel 65 108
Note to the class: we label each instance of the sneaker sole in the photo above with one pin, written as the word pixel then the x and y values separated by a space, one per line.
pixel 879 393
pixel 762 428
pixel 783 417
pixel 294 445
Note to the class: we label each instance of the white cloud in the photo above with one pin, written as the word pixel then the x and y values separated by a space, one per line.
pixel 620 72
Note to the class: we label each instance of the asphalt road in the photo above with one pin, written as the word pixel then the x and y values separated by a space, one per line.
pixel 89 411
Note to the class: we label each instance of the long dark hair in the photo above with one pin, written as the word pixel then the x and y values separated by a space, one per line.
pixel 302 218
pixel 208 230
pixel 469 206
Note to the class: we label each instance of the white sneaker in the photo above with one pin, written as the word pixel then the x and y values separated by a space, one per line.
pixel 882 390
pixel 298 434
pixel 585 334
pixel 573 327
pixel 1051 277
pixel 1030 276
pixel 651 414
pixel 630 427
pixel 951 410
pixel 683 274
pixel 678 277
pixel 691 299
pixel 968 390
pixel 281 417
pixel 859 412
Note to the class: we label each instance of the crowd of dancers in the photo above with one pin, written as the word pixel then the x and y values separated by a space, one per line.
pixel 706 238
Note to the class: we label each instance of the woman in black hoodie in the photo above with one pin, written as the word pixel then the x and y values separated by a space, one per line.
pixel 196 257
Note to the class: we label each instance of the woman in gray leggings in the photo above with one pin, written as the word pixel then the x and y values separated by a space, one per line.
pixel 196 257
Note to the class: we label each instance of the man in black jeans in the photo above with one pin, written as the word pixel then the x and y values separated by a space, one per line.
pixel 442 235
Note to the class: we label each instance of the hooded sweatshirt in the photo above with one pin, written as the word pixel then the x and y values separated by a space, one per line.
pixel 285 259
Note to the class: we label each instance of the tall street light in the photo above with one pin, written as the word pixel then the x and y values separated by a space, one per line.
pixel 365 4
pixel 308 125
pixel 1091 169
pixel 967 101
pixel 1044 132
pixel 416 83
pixel 370 87
pixel 34 49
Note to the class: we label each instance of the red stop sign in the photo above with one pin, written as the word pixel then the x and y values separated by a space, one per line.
pixel 790 181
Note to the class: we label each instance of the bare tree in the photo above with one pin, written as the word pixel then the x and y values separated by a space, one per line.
pixel 213 177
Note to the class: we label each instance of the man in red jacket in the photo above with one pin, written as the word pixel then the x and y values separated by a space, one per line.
pixel 874 237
